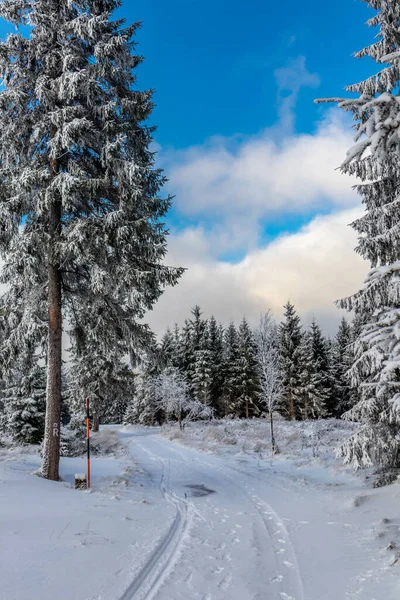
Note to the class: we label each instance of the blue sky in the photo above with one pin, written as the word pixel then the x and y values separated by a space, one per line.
pixel 212 63
pixel 260 213
pixel 246 74
pixel 214 68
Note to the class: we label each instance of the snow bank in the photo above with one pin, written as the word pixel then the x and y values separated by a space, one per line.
pixel 306 470
pixel 58 542
pixel 298 440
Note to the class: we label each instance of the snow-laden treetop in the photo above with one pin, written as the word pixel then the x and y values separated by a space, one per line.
pixel 377 108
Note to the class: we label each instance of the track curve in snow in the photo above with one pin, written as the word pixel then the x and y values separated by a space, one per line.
pixel 225 540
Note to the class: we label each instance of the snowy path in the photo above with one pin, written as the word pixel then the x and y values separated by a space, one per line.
pixel 247 534
pixel 164 521
pixel 229 539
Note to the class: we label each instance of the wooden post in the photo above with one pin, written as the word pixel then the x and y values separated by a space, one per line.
pixel 88 442
pixel 80 481
pixel 96 422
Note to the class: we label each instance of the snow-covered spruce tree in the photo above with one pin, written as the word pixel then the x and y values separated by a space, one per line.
pixel 107 383
pixel 176 346
pixel 215 337
pixel 142 407
pixel 247 402
pixel 315 378
pixel 375 160
pixel 342 357
pixel 24 400
pixel 202 375
pixel 80 214
pixel 197 327
pixel 230 370
pixel 167 349
pixel 290 342
pixel 185 354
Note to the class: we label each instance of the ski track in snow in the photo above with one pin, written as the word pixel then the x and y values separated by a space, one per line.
pixel 170 522
pixel 147 583
pixel 276 568
pixel 275 529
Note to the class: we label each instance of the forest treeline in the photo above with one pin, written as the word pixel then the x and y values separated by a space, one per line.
pixel 210 370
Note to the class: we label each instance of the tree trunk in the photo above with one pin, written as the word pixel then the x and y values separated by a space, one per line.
pixel 51 451
pixel 96 422
pixel 292 410
pixel 271 421
pixel 247 408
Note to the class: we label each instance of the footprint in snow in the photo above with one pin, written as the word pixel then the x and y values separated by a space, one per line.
pixel 224 584
pixel 189 578
pixel 277 579
pixel 288 564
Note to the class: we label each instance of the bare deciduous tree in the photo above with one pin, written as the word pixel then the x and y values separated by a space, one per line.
pixel 271 380
pixel 172 396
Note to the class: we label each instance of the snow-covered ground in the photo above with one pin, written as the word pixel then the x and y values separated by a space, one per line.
pixel 207 515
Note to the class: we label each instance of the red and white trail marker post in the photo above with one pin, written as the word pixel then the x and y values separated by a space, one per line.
pixel 88 442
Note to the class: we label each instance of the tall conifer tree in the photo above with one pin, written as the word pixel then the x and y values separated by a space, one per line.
pixel 375 160
pixel 80 211
pixel 247 403
pixel 215 334
pixel 24 400
pixel 231 383
pixel 167 349
pixel 202 375
pixel 290 342
pixel 342 356
pixel 315 374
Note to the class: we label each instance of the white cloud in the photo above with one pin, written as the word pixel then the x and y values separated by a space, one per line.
pixel 312 268
pixel 232 187
pixel 235 183
pixel 290 79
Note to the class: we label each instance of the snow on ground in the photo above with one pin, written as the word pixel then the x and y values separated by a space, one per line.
pixel 297 440
pixel 204 515
pixel 62 544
